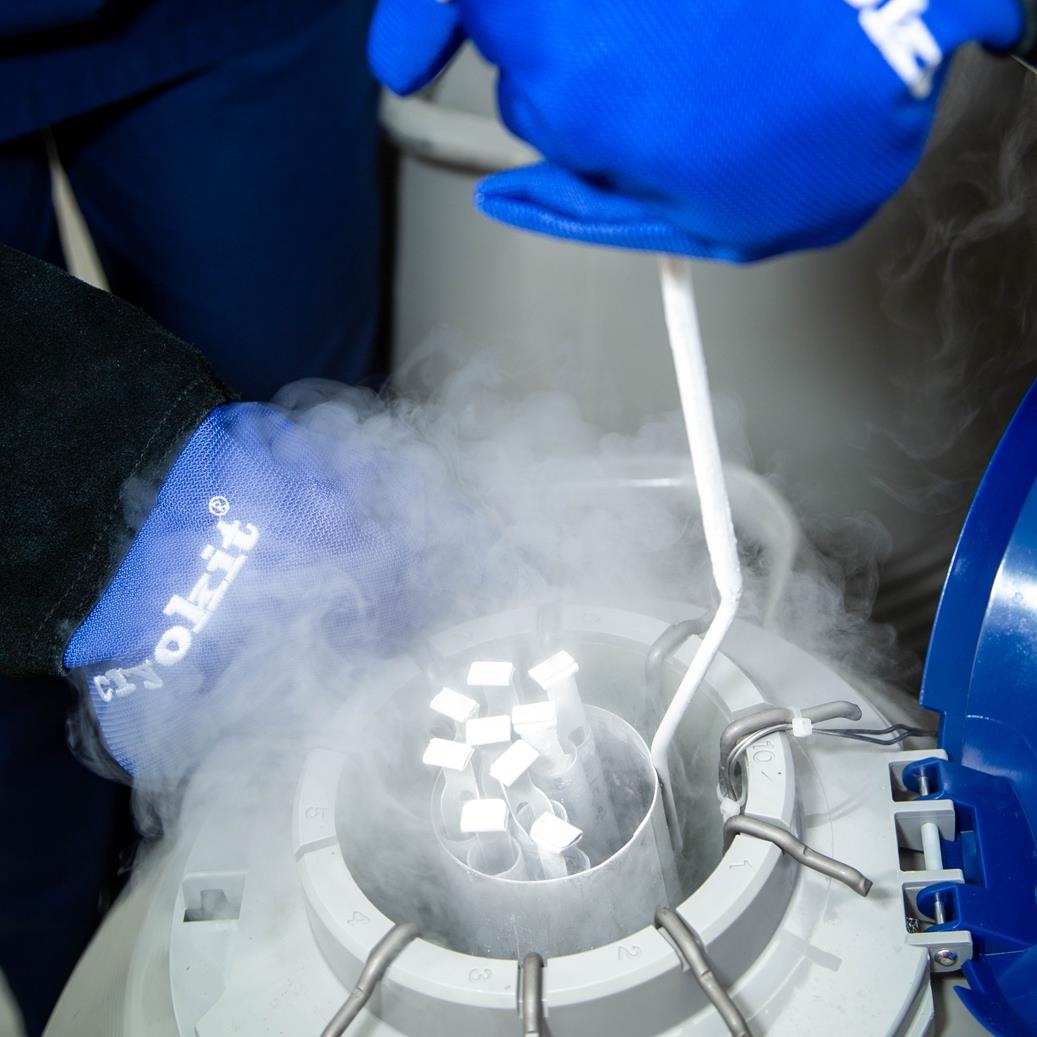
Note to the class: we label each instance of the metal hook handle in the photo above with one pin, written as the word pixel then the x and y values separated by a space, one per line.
pixel 382 955
pixel 690 948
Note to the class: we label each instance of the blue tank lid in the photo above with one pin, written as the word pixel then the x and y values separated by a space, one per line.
pixel 981 677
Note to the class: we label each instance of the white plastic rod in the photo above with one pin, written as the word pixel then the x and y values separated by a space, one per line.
pixel 693 385
pixel 931 847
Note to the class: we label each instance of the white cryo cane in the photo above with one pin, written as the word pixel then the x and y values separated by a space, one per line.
pixel 689 363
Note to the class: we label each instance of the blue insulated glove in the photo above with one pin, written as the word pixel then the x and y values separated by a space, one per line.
pixel 729 129
pixel 267 541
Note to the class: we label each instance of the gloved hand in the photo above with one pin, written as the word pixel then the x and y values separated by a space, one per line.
pixel 729 129
pixel 266 539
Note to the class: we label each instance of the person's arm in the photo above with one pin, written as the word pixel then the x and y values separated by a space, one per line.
pixel 160 543
pixel 93 393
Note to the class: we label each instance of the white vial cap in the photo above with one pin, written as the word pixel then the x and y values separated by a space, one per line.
pixel 454 705
pixel 553 670
pixel 489 674
pixel 488 730
pixel 553 834
pixel 534 714
pixel 484 815
pixel 802 726
pixel 513 763
pixel 441 752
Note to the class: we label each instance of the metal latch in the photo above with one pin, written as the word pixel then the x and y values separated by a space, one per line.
pixel 921 826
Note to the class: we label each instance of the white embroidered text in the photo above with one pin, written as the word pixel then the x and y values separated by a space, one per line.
pixel 903 39
pixel 192 611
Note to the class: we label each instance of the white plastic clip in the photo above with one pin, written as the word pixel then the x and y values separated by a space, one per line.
pixel 455 706
pixel 513 763
pixel 484 815
pixel 488 673
pixel 488 730
pixel 441 752
pixel 553 834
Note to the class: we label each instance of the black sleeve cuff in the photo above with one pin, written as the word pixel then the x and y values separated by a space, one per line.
pixel 92 393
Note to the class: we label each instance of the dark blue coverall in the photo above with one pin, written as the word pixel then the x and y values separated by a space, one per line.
pixel 223 155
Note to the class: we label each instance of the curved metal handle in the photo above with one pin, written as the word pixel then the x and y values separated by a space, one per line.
pixel 382 955
pixel 690 948
pixel 742 824
pixel 532 996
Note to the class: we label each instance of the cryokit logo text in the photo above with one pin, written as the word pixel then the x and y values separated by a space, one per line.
pixel 193 611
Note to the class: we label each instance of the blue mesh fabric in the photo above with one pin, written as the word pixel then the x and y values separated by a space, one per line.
pixel 729 129
pixel 261 529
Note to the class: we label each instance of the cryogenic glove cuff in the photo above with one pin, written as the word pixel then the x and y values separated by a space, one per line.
pixel 261 532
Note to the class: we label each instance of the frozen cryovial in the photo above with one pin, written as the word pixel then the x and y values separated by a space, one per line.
pixel 441 752
pixel 535 714
pixel 484 815
pixel 455 706
pixel 537 723
pixel 560 666
pixel 488 730
pixel 553 834
pixel 487 674
pixel 513 763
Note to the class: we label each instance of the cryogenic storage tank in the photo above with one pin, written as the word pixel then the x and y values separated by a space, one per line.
pixel 263 918
pixel 476 841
